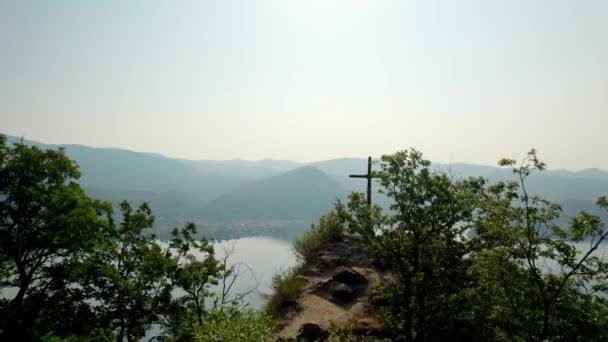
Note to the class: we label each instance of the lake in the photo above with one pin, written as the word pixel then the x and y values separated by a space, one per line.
pixel 263 257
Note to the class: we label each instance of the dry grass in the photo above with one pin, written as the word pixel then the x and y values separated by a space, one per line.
pixel 286 287
pixel 330 228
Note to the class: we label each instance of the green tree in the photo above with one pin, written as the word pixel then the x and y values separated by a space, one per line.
pixel 422 240
pixel 46 224
pixel 80 276
pixel 129 276
pixel 542 275
pixel 195 271
pixel 478 261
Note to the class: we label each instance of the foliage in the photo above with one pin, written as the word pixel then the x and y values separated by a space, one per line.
pixel 544 275
pixel 194 274
pixel 286 285
pixel 422 241
pixel 470 261
pixel 347 332
pixel 46 224
pixel 233 323
pixel 330 228
pixel 97 335
pixel 80 276
pixel 478 261
pixel 128 276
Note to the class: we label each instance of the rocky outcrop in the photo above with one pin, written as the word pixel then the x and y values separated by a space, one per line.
pixel 311 332
pixel 337 289
pixel 349 277
pixel 339 292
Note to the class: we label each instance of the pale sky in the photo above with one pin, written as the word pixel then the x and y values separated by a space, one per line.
pixel 463 81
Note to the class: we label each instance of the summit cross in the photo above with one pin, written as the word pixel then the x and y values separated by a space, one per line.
pixel 369 177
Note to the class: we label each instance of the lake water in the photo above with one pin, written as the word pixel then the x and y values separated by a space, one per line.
pixel 263 257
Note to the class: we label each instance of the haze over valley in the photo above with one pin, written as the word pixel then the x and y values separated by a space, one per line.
pixel 278 198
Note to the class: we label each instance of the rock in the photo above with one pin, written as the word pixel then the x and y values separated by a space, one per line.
pixel 340 291
pixel 368 324
pixel 329 261
pixel 311 332
pixel 311 271
pixel 349 277
pixel 380 265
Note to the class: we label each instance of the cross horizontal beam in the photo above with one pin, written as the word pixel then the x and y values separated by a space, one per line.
pixel 369 177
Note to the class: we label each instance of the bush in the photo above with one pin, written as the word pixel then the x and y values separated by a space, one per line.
pixel 286 286
pixel 236 324
pixel 97 335
pixel 330 228
pixel 346 333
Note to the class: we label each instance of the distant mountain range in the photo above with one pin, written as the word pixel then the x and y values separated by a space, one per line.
pixel 180 190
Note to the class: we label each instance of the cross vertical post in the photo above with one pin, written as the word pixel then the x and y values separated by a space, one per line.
pixel 368 176
pixel 369 180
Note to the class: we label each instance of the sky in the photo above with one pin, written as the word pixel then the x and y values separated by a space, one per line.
pixel 462 81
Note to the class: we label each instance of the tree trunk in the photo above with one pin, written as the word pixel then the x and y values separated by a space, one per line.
pixel 546 312
pixel 24 284
pixel 408 311
pixel 121 333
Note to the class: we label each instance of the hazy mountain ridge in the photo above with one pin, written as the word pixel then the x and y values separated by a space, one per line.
pixel 303 193
pixel 181 190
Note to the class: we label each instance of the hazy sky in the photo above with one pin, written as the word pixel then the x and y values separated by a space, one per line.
pixel 468 81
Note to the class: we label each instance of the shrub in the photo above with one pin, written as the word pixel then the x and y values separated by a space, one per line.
pixel 346 333
pixel 286 286
pixel 236 324
pixel 97 335
pixel 330 228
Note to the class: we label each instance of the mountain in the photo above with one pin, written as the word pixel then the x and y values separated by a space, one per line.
pixel 573 190
pixel 176 188
pixel 142 174
pixel 244 169
pixel 218 193
pixel 303 193
pixel 557 185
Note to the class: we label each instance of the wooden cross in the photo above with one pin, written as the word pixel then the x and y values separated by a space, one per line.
pixel 369 177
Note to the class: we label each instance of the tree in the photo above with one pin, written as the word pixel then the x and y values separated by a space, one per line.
pixel 78 275
pixel 129 276
pixel 478 261
pixel 206 284
pixel 194 274
pixel 422 241
pixel 545 276
pixel 46 223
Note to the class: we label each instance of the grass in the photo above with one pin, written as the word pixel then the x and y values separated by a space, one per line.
pixel 286 287
pixel 234 324
pixel 330 228
pixel 347 333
